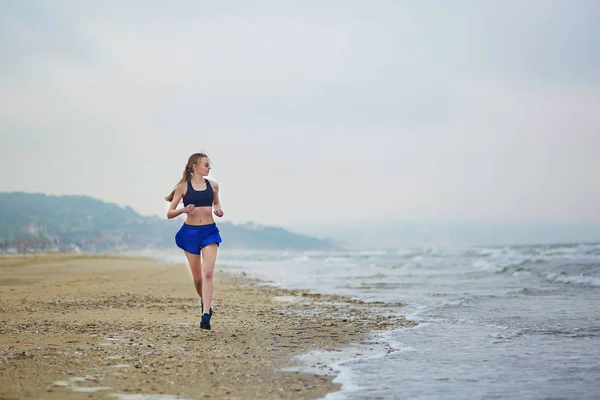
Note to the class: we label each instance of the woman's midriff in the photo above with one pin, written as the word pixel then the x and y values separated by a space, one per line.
pixel 200 216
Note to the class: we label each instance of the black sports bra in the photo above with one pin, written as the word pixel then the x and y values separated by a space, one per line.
pixel 203 198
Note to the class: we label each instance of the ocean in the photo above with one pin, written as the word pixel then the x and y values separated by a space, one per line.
pixel 506 322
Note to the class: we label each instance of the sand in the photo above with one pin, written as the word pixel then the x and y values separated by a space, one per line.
pixel 109 327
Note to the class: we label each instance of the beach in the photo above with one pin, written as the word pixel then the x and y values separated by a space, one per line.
pixel 84 326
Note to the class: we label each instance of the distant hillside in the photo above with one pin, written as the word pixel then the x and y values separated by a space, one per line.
pixel 64 223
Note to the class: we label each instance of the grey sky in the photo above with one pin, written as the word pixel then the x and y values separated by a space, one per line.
pixel 310 111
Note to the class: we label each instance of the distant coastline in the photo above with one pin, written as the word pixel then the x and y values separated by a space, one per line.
pixel 35 222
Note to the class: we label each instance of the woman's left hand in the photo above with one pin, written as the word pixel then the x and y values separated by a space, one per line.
pixel 218 212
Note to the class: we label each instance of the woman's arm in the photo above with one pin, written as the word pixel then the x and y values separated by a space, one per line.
pixel 216 202
pixel 172 213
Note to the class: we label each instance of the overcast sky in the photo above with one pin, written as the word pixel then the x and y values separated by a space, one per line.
pixel 310 110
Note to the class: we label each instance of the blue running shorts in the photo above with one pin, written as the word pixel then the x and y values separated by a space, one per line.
pixel 192 238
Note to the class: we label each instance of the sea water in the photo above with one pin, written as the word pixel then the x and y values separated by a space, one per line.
pixel 509 322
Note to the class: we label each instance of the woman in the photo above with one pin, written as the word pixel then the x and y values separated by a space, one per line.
pixel 199 236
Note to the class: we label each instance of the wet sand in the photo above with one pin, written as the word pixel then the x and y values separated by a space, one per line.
pixel 100 327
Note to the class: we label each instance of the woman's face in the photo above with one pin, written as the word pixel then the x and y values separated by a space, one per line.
pixel 202 167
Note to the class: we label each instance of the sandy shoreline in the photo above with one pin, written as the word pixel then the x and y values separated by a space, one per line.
pixel 75 327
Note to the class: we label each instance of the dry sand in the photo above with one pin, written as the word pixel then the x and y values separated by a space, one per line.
pixel 91 327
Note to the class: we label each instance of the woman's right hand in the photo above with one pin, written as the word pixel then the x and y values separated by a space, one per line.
pixel 189 208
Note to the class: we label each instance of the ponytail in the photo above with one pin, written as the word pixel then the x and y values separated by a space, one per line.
pixel 186 177
pixel 187 173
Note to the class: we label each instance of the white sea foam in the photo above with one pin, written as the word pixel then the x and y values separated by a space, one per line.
pixel 485 265
pixel 575 279
pixel 340 362
pixel 89 389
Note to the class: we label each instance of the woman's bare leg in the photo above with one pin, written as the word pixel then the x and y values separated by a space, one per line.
pixel 194 261
pixel 209 257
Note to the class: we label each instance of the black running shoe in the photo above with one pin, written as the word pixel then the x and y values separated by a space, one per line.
pixel 202 308
pixel 205 323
